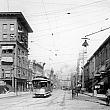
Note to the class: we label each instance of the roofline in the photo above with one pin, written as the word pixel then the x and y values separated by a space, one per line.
pixel 20 17
pixel 99 48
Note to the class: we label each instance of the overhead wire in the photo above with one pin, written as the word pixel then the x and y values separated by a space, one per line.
pixel 70 24
pixel 70 29
pixel 78 14
pixel 47 29
pixel 78 7
pixel 68 9
pixel 46 16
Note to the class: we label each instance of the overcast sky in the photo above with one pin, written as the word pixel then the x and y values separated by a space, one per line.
pixel 59 25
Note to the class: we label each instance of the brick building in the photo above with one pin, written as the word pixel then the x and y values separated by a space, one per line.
pixel 99 67
pixel 14 31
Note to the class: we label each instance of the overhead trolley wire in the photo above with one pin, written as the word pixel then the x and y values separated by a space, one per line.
pixel 70 29
pixel 47 16
pixel 78 14
pixel 98 31
pixel 68 9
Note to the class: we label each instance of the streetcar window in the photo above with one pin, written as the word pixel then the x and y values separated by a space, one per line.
pixel 39 84
pixel 43 84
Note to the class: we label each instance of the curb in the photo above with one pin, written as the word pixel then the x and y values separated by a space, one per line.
pixel 94 96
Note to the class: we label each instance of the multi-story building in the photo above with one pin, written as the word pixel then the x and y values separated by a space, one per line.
pixel 99 66
pixel 14 31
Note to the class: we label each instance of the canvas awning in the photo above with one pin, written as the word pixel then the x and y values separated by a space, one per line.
pixel 7 59
pixel 7 47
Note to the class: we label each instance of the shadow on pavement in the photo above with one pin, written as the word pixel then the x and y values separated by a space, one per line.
pixel 98 100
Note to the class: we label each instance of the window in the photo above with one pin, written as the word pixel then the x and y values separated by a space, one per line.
pixel 3 51
pixel 7 73
pixel 11 36
pixel 22 52
pixel 18 51
pixel 6 60
pixel 5 36
pixel 12 27
pixel 4 26
pixel 9 51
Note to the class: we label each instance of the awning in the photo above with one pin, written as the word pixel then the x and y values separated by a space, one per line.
pixel 95 83
pixel 7 47
pixel 104 80
pixel 7 59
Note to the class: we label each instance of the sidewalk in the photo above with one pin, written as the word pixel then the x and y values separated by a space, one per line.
pixel 13 94
pixel 99 96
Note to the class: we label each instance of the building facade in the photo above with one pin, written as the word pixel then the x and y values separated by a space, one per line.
pixel 14 31
pixel 99 67
pixel 37 68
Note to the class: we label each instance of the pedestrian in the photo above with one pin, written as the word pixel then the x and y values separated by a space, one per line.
pixel 108 97
pixel 73 92
pixel 77 91
pixel 95 92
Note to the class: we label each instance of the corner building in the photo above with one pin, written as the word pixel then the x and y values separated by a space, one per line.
pixel 14 31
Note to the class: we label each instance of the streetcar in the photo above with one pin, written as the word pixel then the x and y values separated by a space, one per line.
pixel 42 86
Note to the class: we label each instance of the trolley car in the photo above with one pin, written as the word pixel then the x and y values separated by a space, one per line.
pixel 42 86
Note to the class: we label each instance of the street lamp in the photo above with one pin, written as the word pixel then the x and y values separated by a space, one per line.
pixel 85 44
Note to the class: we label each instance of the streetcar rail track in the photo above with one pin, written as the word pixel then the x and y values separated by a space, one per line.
pixel 24 99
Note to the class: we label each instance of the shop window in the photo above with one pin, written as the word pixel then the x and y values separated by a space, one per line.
pixel 12 27
pixel 7 51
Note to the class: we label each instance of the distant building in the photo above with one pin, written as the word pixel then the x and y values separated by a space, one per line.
pixel 14 31
pixel 37 68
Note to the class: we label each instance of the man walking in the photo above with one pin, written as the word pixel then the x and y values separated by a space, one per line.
pixel 108 97
pixel 73 92
pixel 77 91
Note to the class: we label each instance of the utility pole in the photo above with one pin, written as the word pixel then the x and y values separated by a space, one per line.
pixel 77 72
pixel 85 44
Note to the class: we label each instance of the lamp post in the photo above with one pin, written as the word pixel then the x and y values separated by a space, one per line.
pixel 85 44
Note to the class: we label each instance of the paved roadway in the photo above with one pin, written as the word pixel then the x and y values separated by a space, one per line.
pixel 60 100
